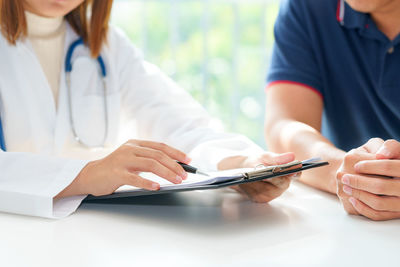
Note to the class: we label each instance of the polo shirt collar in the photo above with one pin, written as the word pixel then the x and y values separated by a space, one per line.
pixel 350 18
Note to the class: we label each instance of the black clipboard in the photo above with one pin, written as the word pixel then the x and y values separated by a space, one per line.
pixel 242 178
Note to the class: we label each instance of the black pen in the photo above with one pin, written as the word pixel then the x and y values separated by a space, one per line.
pixel 191 169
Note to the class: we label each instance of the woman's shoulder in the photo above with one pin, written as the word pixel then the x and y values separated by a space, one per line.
pixel 118 42
pixel 3 42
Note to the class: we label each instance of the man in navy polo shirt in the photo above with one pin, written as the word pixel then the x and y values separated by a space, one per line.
pixel 333 85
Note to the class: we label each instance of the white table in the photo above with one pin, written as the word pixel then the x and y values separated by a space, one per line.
pixel 304 227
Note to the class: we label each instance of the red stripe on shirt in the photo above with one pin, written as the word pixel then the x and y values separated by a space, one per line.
pixel 338 12
pixel 294 83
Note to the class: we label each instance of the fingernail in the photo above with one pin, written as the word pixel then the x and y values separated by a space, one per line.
pixel 352 201
pixel 178 179
pixel 184 175
pixel 347 190
pixel 154 186
pixel 345 179
pixel 188 160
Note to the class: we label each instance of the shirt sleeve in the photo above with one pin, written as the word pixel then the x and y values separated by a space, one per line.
pixel 164 112
pixel 29 182
pixel 293 58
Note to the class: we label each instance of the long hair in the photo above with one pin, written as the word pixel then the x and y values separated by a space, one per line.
pixel 91 26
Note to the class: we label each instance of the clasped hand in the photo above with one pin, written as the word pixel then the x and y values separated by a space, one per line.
pixel 368 180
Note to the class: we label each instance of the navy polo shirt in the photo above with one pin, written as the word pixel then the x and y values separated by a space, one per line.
pixel 340 54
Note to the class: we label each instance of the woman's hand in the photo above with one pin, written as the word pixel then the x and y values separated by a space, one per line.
pixel 266 190
pixel 123 166
pixel 369 192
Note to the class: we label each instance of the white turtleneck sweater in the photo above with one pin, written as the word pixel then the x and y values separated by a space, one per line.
pixel 47 36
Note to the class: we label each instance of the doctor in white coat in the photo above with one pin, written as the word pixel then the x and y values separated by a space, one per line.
pixel 65 140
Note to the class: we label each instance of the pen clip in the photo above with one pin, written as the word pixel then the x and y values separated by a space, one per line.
pixel 258 173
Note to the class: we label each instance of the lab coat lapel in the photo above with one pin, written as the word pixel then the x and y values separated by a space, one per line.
pixel 63 135
pixel 38 98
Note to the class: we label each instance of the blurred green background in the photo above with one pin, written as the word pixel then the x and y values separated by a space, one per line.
pixel 217 50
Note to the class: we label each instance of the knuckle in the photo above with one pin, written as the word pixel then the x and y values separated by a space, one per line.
pixel 132 141
pixel 151 163
pixel 375 140
pixel 131 180
pixel 391 142
pixel 351 156
pixel 178 169
pixel 361 167
pixel 348 207
pixel 348 156
pixel 128 147
pixel 144 184
pixel 354 181
pixel 162 145
pixel 125 147
pixel 159 155
pixel 339 175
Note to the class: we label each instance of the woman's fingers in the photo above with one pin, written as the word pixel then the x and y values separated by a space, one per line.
pixel 261 192
pixel 137 181
pixel 151 165
pixel 374 185
pixel 265 191
pixel 162 158
pixel 170 151
pixel 388 167
pixel 156 158
pixel 368 212
pixel 280 182
pixel 269 159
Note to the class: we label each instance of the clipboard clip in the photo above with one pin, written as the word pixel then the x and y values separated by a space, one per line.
pixel 262 170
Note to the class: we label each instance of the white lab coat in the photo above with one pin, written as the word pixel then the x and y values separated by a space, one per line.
pixel 42 157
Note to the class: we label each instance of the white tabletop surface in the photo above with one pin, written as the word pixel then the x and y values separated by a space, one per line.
pixel 304 227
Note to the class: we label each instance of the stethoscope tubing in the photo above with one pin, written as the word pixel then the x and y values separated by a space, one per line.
pixel 68 70
pixel 70 52
pixel 2 141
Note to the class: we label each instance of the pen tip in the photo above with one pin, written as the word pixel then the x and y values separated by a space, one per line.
pixel 202 173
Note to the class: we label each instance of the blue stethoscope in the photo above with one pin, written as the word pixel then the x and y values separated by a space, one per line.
pixel 2 141
pixel 68 70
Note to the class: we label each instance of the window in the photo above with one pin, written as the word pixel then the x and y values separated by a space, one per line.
pixel 217 50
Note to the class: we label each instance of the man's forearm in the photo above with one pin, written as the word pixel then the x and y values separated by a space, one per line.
pixel 306 142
